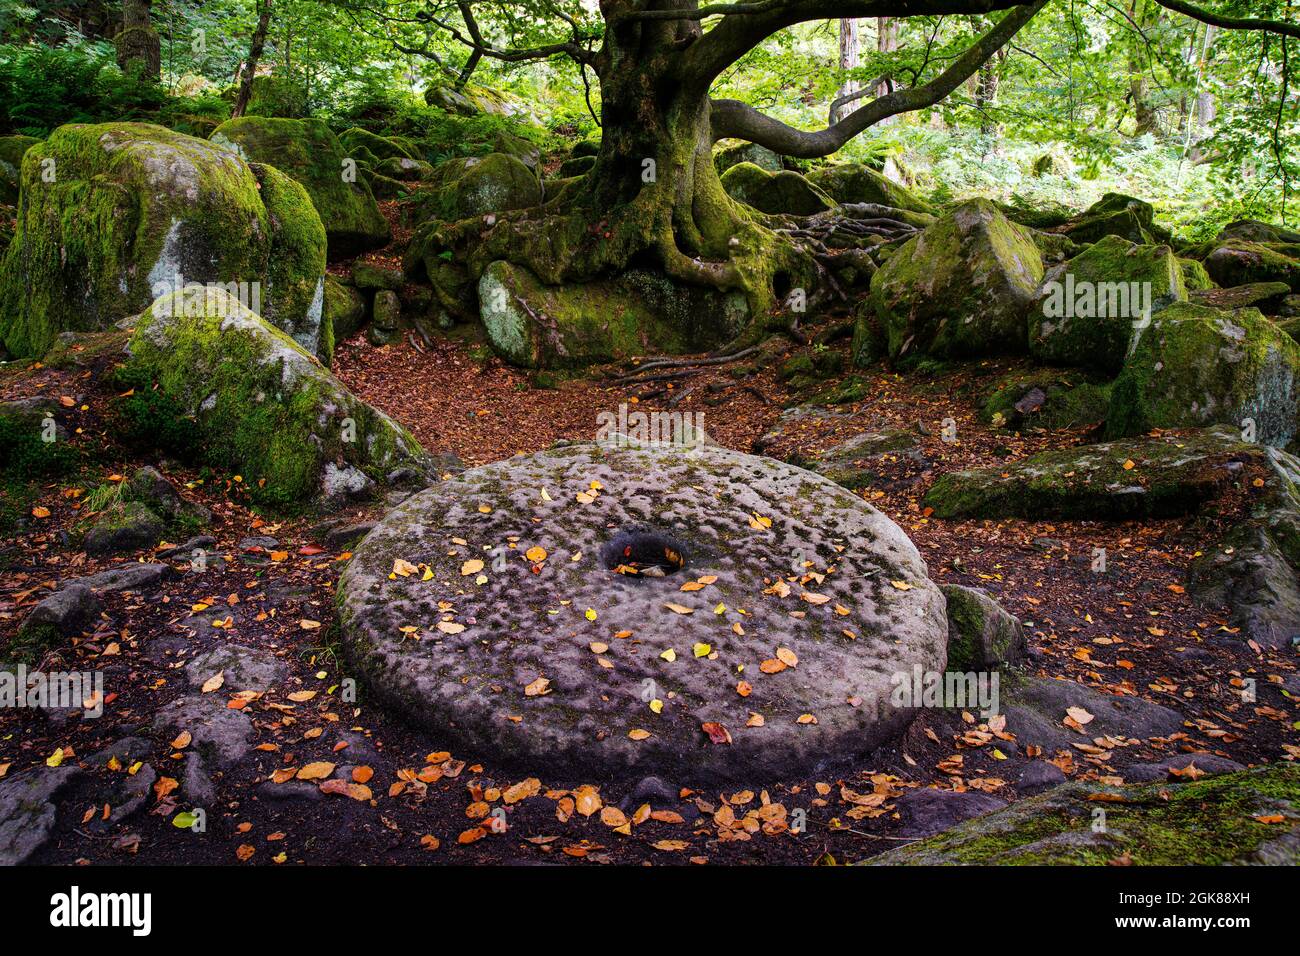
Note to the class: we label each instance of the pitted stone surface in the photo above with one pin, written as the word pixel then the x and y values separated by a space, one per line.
pixel 528 620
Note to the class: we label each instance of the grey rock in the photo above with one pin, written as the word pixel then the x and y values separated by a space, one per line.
pixel 339 486
pixel 1036 708
pixel 201 542
pixel 220 735
pixel 128 577
pixel 654 498
pixel 244 668
pixel 928 811
pixel 67 610
pixel 1040 775
pixel 27 810
pixel 125 526
pixel 1160 770
pixel 160 496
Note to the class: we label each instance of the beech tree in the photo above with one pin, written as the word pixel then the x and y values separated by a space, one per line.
pixel 653 197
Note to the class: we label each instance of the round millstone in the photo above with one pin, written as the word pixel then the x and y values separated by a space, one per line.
pixel 566 663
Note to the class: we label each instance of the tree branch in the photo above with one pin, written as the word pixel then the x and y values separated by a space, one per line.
pixel 732 118
pixel 739 32
pixel 1282 27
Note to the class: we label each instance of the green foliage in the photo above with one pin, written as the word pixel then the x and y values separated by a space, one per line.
pixel 146 418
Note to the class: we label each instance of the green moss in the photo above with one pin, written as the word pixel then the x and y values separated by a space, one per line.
pixel 1240 262
pixel 540 326
pixel 309 152
pixel 1114 215
pixel 465 188
pixel 360 143
pixel 276 96
pixel 1195 278
pixel 962 288
pixel 295 272
pixel 1070 400
pixel 1112 287
pixel 261 406
pixel 1168 478
pixel 12 149
pixel 858 183
pixel 1197 365
pixel 1204 823
pixel 133 207
pixel 778 193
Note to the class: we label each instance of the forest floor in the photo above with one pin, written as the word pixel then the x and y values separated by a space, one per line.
pixel 1130 631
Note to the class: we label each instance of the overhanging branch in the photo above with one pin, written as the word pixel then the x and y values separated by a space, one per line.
pixel 1283 27
pixel 732 118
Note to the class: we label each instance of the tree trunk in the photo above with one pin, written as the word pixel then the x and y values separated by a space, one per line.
pixel 886 42
pixel 138 45
pixel 848 61
pixel 254 54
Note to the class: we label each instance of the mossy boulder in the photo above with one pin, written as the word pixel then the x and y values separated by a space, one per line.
pixel 1241 262
pixel 309 152
pixel 137 210
pixel 1268 297
pixel 1195 278
pixel 1255 568
pixel 471 100
pixel 982 636
pixel 1090 308
pixel 1252 230
pixel 358 142
pixel 859 183
pixel 12 149
pixel 1114 215
pixel 477 186
pixel 539 326
pixel 1209 822
pixel 1167 477
pixel 576 166
pixel 762 157
pixel 345 308
pixel 260 405
pixel 962 288
pixel 781 193
pixel 1046 398
pixel 276 96
pixel 122 527
pixel 403 169
pixel 1196 365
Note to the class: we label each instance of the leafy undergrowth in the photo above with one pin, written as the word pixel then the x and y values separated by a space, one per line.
pixel 416 799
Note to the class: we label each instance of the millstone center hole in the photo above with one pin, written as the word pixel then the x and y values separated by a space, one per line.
pixel 637 552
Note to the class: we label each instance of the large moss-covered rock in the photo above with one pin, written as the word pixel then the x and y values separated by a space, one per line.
pixel 1215 821
pixel 539 326
pixel 277 96
pixel 1090 308
pixel 1114 215
pixel 471 100
pixel 762 157
pixel 782 193
pixel 308 151
pixel 261 405
pixel 1240 262
pixel 356 140
pixel 134 211
pixel 12 149
pixel 1197 365
pixel 1167 477
pixel 345 308
pixel 1255 568
pixel 859 183
pixel 478 185
pixel 962 288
